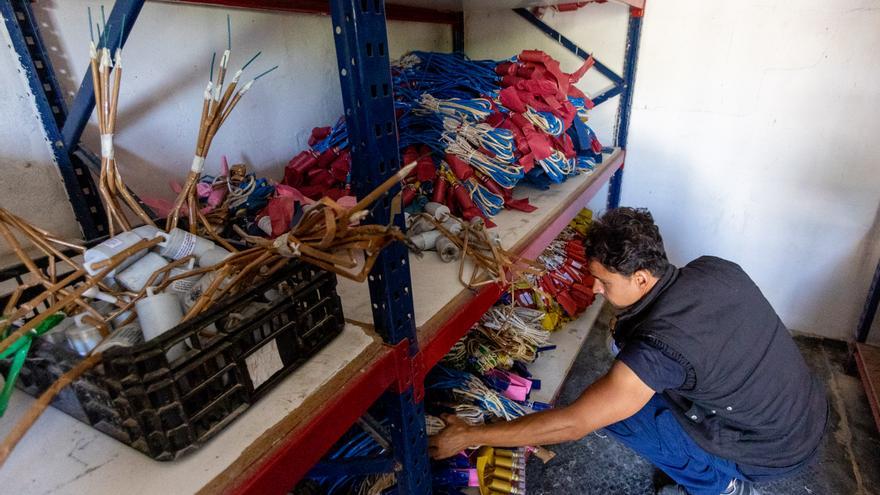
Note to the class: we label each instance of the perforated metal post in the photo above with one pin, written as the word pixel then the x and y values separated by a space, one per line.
pixel 64 127
pixel 869 310
pixel 365 77
pixel 633 39
pixel 28 46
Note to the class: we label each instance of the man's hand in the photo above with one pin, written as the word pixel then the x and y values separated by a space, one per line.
pixel 452 440
pixel 616 396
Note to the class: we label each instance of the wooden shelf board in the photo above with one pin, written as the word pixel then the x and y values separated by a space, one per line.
pixel 552 367
pixel 868 361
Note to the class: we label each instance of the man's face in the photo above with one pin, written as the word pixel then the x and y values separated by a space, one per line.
pixel 621 291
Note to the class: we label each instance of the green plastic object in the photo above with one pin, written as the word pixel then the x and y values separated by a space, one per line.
pixel 19 350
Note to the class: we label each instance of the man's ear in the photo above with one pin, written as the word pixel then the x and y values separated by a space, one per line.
pixel 642 278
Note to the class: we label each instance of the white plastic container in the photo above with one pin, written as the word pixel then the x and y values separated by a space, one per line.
pixel 147 232
pixel 439 211
pixel 136 276
pixel 158 313
pixel 182 287
pixel 213 256
pixel 126 336
pixel 110 248
pixel 179 243
pixel 426 240
pixel 82 337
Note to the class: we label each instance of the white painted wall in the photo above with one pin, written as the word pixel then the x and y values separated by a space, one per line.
pixel 166 63
pixel 754 137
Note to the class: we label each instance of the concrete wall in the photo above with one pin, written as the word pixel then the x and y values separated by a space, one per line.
pixel 754 137
pixel 166 63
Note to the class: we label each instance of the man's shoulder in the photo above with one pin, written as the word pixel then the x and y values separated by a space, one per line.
pixel 714 269
pixel 709 261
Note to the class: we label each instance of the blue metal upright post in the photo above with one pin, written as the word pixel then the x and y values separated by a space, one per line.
pixel 119 24
pixel 365 77
pixel 633 38
pixel 28 46
pixel 64 128
pixel 869 310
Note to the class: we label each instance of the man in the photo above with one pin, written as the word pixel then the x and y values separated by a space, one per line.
pixel 708 384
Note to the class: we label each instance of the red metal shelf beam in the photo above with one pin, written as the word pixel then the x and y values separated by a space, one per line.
pixel 393 12
pixel 315 435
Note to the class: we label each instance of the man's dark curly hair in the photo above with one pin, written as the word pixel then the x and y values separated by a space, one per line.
pixel 625 240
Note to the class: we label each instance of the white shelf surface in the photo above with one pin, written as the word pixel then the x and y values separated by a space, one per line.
pixel 552 367
pixel 60 455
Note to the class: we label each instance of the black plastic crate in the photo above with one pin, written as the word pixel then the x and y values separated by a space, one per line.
pixel 166 409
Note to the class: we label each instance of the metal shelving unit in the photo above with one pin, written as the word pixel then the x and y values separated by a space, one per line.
pixel 352 374
pixel 866 356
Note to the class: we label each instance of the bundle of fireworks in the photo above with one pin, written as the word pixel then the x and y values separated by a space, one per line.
pixel 476 129
pixel 485 376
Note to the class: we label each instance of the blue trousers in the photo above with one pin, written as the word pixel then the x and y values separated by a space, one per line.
pixel 655 434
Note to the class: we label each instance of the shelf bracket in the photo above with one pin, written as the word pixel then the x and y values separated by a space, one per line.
pixel 569 45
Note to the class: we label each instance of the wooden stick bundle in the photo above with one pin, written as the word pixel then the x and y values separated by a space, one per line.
pixel 217 105
pixel 110 183
pixel 492 263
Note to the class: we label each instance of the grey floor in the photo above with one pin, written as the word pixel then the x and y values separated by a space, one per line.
pixel 849 465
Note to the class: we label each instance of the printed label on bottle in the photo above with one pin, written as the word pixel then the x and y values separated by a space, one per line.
pixel 183 285
pixel 186 248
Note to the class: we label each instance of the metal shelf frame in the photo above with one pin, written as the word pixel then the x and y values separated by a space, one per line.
pixel 395 374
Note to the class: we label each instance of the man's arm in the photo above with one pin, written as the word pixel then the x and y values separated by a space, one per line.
pixel 614 397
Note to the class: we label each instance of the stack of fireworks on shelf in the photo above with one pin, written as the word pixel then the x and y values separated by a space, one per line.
pixel 485 377
pixel 473 129
pixel 157 329
pixel 565 288
pixel 476 129
pixel 358 443
pixel 501 471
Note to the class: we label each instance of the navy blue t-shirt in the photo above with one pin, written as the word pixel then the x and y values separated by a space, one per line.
pixel 655 368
